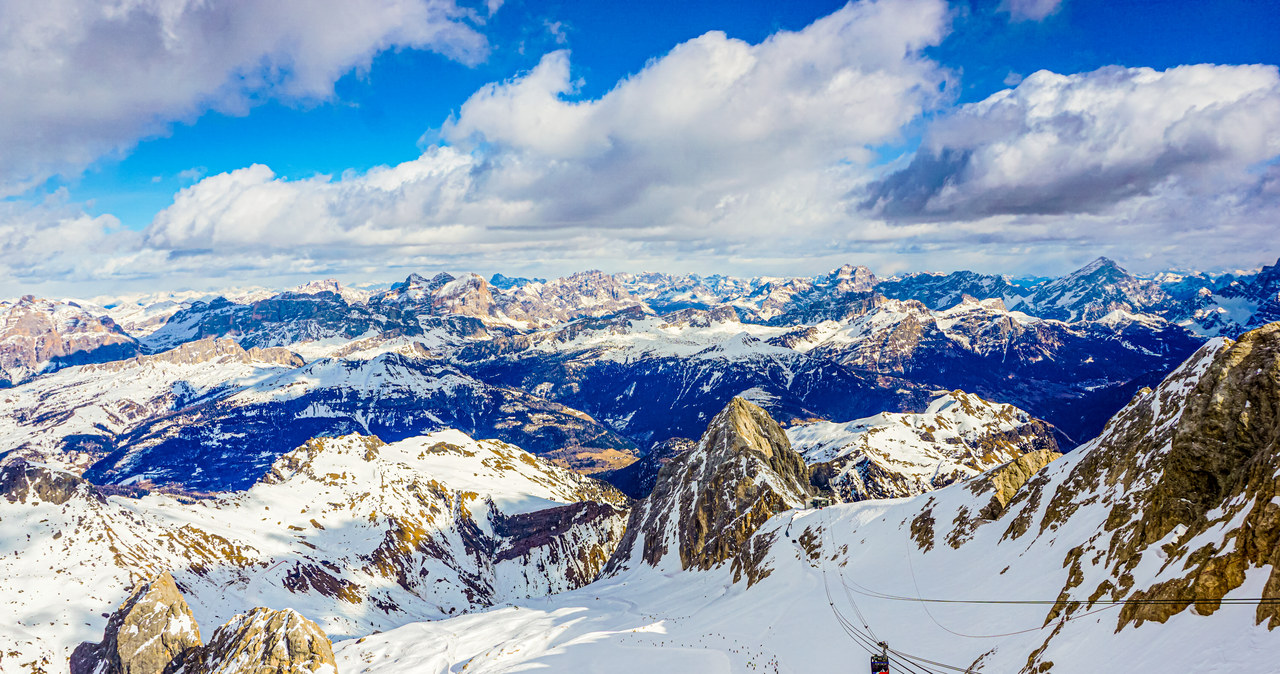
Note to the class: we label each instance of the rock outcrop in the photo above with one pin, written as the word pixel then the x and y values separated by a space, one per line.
pixel 1004 481
pixel 24 482
pixel 264 641
pixel 709 501
pixel 38 334
pixel 151 633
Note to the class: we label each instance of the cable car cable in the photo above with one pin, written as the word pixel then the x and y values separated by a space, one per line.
pixel 864 640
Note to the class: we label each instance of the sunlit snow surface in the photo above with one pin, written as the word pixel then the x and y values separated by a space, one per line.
pixel 826 561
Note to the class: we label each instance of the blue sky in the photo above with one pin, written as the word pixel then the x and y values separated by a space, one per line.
pixel 158 170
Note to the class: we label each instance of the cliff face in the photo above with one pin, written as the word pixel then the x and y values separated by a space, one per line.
pixel 709 501
pixel 263 641
pixel 38 334
pixel 1212 509
pixel 1176 499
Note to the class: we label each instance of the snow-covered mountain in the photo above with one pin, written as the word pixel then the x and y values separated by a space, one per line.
pixel 354 533
pixel 893 455
pixel 1148 549
pixel 38 335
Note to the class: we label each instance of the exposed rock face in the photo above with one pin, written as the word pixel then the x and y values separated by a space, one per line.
pixel 1182 487
pixel 36 334
pixel 579 537
pixel 24 482
pixel 151 632
pixel 709 501
pixel 892 455
pixel 264 641
pixel 209 349
pixel 1005 480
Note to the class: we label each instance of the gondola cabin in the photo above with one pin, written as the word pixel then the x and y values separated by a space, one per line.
pixel 819 502
pixel 879 664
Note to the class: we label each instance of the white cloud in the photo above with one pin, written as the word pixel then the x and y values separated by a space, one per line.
pixel 717 140
pixel 1089 143
pixel 1030 10
pixel 83 78
pixel 731 157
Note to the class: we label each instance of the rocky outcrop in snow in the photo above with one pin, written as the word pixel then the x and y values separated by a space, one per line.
pixel 709 501
pixel 38 334
pixel 355 533
pixel 151 633
pixel 264 641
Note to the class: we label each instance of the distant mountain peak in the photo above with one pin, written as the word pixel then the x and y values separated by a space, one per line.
pixel 1101 264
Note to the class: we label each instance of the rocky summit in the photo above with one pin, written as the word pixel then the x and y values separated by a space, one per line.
pixel 708 501
pixel 152 632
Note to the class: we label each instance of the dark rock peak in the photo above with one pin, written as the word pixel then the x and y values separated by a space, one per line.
pixel 154 632
pixel 1103 265
pixel 418 281
pixel 508 282
pixel 264 641
pixel 1188 463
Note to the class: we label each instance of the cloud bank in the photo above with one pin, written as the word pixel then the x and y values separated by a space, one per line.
pixel 86 78
pixel 746 158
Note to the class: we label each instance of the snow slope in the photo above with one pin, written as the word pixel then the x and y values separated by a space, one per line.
pixel 353 533
pixel 903 454
pixel 848 575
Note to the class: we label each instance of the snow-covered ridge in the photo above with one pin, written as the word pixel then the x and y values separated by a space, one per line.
pixel 354 533
pixel 904 454
pixel 1091 528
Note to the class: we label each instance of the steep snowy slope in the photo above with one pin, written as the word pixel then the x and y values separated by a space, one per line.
pixel 353 533
pixel 889 455
pixel 1145 550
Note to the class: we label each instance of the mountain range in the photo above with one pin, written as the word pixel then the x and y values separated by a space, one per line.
pixel 510 473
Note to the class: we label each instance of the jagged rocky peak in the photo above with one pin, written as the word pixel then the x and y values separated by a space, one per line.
pixel 709 501
pixel 264 641
pixel 1093 291
pixel 152 632
pixel 1102 268
pixel 502 282
pixel 852 279
pixel 1182 491
pixel 210 349
pixel 38 334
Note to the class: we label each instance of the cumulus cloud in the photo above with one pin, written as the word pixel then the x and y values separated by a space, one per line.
pixel 83 78
pixel 717 139
pixel 750 158
pixel 1091 143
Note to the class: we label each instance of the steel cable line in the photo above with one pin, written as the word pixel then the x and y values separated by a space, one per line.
pixel 903 660
pixel 850 630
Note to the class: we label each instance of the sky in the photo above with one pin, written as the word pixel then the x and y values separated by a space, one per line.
pixel 173 144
